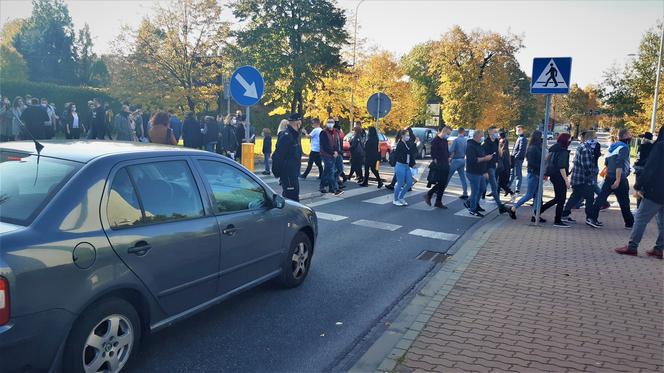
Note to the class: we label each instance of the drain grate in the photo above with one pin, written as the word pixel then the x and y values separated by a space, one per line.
pixel 432 256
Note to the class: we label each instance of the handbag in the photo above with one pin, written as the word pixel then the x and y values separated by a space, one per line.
pixel 604 171
pixel 415 171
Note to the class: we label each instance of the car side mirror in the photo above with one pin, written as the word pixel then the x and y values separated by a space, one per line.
pixel 279 201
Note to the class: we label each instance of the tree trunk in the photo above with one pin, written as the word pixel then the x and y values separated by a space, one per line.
pixel 191 104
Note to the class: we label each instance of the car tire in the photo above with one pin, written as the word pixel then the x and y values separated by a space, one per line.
pixel 297 262
pixel 117 332
pixel 423 153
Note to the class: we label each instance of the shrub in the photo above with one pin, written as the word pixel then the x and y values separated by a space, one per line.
pixel 58 94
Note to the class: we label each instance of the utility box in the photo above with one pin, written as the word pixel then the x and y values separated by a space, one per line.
pixel 248 156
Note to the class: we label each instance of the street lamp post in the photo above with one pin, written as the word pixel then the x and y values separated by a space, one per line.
pixel 659 70
pixel 352 89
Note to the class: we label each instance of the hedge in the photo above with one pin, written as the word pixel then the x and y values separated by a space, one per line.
pixel 57 94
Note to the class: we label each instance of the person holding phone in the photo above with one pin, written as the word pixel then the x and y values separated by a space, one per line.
pixel 490 146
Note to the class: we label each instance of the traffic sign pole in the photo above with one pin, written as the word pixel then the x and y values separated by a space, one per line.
pixel 545 143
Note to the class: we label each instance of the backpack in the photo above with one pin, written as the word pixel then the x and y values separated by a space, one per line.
pixel 278 160
pixel 551 160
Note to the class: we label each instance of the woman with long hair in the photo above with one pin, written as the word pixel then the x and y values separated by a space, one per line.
pixel 405 156
pixel 504 168
pixel 371 158
pixel 533 157
pixel 558 172
pixel 357 154
pixel 160 132
pixel 73 125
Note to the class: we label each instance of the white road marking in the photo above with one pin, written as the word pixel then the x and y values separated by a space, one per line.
pixel 331 198
pixel 377 225
pixel 388 198
pixel 331 217
pixel 435 235
pixel 447 199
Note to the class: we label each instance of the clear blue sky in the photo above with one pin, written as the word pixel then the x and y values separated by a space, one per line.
pixel 595 33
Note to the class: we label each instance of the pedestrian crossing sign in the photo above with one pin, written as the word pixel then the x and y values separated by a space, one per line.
pixel 551 75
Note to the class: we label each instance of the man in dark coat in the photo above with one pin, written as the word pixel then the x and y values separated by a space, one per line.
pixel 440 166
pixel 191 132
pixel 288 157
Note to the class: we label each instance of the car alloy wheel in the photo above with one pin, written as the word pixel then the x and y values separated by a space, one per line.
pixel 108 345
pixel 424 153
pixel 300 260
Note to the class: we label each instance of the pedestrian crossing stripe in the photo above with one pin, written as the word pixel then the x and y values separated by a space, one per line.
pixel 550 77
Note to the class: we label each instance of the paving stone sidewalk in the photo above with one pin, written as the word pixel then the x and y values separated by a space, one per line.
pixel 548 299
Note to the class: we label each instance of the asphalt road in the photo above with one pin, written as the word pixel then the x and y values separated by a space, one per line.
pixel 364 264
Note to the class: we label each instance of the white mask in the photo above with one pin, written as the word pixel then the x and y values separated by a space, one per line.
pixel 406 138
pixel 330 126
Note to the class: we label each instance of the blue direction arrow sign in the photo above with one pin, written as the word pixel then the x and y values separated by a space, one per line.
pixel 247 86
pixel 551 75
pixel 379 105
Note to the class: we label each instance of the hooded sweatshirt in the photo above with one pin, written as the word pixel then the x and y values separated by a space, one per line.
pixel 617 157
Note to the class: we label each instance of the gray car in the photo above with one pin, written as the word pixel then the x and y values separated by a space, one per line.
pixel 103 242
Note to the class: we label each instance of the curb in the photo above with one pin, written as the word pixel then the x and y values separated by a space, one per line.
pixel 393 344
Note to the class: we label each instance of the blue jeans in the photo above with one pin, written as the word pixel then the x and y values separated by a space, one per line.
pixel 458 165
pixel 339 166
pixel 404 180
pixel 622 195
pixel 267 161
pixel 475 190
pixel 531 193
pixel 494 186
pixel 329 175
pixel 517 173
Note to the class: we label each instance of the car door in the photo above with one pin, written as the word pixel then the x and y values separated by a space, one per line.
pixel 156 223
pixel 251 229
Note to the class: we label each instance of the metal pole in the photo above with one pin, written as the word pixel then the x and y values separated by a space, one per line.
pixel 248 114
pixel 653 120
pixel 545 143
pixel 378 112
pixel 352 88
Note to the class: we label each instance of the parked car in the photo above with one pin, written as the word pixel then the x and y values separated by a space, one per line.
pixel 105 242
pixel 383 142
pixel 424 135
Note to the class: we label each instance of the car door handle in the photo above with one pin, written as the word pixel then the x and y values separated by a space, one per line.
pixel 230 230
pixel 141 248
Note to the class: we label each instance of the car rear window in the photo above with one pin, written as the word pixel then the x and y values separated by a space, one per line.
pixel 26 185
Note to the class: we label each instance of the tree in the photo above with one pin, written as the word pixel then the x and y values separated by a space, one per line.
pixel 12 64
pixel 46 42
pixel 294 43
pixel 174 58
pixel 579 107
pixel 473 77
pixel 424 83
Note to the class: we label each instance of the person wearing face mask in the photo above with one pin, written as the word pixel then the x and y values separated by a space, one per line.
pixel 519 155
pixel 643 154
pixel 490 147
pixel 49 127
pixel 286 160
pixel 476 172
pixel 405 159
pixel 73 125
pixel 329 151
pixel 618 169
pixel 440 166
pixel 583 177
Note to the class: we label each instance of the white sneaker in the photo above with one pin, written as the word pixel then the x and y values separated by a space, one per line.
pixel 403 202
pixel 397 203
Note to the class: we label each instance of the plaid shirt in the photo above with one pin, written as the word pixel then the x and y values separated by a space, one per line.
pixel 585 168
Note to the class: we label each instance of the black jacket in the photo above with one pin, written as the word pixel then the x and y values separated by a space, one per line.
pixel 267 144
pixel 371 153
pixel 474 151
pixel 644 152
pixel 534 158
pixel 491 147
pixel 520 147
pixel 228 139
pixel 558 159
pixel 357 148
pixel 440 152
pixel 650 180
pixel 403 152
pixel 288 146
pixel 191 133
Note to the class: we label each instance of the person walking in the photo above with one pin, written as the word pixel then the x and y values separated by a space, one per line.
pixel 314 153
pixel 17 110
pixel 36 120
pixel 557 169
pixel 267 149
pixel 210 133
pixel 191 131
pixel 49 128
pixel 458 160
pixel 440 166
pixel 6 118
pixel 584 176
pixel 97 121
pixel 175 124
pixel 405 154
pixel 329 151
pixel 123 127
pixel 533 157
pixel 239 135
pixel 228 143
pixel 339 161
pixel 504 167
pixel 477 163
pixel 643 154
pixel 287 157
pixel 159 132
pixel 490 147
pixel 72 123
pixel 617 171
pixel 371 158
pixel 649 186
pixel 357 154
pixel 519 154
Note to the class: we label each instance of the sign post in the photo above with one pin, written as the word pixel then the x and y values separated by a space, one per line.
pixel 379 105
pixel 246 87
pixel 550 76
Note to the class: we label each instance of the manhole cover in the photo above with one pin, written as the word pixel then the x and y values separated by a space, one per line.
pixel 432 256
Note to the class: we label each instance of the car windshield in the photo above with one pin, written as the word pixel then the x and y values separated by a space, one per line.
pixel 454 133
pixel 26 186
pixel 419 132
